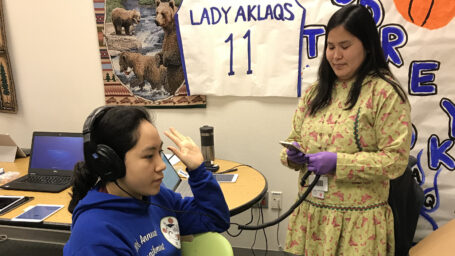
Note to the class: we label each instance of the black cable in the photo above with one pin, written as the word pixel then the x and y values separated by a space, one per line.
pixel 234 168
pixel 169 209
pixel 295 205
pixel 280 247
pixel 252 217
pixel 246 227
pixel 115 181
pixel 256 233
pixel 240 232
pixel 265 235
pixel 278 231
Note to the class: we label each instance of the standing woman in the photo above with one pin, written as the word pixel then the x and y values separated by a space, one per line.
pixel 354 125
pixel 118 203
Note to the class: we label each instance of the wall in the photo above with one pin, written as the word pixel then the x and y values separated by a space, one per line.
pixel 57 73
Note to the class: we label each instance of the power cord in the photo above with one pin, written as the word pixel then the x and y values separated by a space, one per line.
pixel 233 169
pixel 256 232
pixel 288 212
pixel 265 235
pixel 240 232
pixel 280 248
pixel 261 218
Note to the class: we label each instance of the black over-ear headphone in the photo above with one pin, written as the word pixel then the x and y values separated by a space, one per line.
pixel 101 158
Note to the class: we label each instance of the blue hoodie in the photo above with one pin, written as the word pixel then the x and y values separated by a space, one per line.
pixel 105 224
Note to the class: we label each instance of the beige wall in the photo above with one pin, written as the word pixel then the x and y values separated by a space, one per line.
pixel 57 72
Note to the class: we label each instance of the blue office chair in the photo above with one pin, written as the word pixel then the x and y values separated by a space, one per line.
pixel 207 244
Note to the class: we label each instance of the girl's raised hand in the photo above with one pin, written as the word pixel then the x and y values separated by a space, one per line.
pixel 188 152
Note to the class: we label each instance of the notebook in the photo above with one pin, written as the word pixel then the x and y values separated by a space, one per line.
pixel 173 181
pixel 52 159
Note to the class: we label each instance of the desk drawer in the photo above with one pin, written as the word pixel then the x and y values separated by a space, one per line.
pixel 17 240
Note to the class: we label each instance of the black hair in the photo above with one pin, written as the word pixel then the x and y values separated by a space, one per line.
pixel 116 128
pixel 358 21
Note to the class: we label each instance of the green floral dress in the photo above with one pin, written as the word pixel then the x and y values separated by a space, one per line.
pixel 372 141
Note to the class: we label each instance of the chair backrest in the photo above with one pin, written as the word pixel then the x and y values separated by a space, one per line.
pixel 406 198
pixel 207 244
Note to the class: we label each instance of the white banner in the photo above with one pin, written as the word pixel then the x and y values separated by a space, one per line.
pixel 242 48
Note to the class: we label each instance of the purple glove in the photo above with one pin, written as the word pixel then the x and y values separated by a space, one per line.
pixel 296 156
pixel 322 162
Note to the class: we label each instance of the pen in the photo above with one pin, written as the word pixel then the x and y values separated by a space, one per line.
pixel 228 170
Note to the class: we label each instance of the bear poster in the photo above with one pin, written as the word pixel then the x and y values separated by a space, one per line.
pixel 7 92
pixel 140 55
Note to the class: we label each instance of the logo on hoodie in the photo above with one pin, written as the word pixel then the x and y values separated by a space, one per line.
pixel 169 226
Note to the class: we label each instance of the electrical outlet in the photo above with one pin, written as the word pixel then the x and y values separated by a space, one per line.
pixel 264 202
pixel 276 197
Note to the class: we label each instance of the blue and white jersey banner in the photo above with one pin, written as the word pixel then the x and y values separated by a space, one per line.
pixel 241 48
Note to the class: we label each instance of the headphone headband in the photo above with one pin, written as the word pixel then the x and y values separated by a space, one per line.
pixel 90 120
pixel 100 158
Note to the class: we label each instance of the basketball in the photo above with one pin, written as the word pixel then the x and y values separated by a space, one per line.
pixel 430 14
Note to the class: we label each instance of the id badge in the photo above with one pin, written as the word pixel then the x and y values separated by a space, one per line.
pixel 322 184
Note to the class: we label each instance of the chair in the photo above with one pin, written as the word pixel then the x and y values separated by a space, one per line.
pixel 406 198
pixel 207 244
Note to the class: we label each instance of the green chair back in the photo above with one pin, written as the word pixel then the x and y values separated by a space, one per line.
pixel 207 244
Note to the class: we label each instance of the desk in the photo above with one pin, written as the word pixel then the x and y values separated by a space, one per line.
pixel 49 237
pixel 249 188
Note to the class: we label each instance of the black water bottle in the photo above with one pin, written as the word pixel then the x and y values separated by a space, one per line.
pixel 208 147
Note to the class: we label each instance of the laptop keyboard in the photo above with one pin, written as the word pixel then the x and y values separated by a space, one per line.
pixel 56 180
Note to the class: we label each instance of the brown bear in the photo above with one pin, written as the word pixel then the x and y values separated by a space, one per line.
pixel 145 68
pixel 170 53
pixel 126 19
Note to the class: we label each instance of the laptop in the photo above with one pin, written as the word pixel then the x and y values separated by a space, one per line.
pixel 173 181
pixel 52 159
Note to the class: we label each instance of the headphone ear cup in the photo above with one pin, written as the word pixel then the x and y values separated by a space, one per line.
pixel 108 164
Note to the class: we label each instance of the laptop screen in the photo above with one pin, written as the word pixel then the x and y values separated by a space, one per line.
pixel 56 151
pixel 171 179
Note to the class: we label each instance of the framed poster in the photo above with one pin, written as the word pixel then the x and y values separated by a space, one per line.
pixel 140 55
pixel 7 93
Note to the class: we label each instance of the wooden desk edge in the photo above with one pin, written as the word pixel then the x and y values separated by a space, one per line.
pixel 248 205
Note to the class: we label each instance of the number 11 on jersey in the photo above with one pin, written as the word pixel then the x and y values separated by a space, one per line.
pixel 231 48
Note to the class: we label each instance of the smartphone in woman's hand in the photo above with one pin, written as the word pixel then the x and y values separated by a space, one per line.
pixel 290 146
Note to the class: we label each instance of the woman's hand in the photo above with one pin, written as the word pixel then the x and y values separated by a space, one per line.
pixel 296 156
pixel 322 163
pixel 188 152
